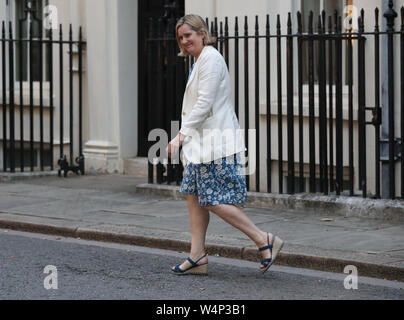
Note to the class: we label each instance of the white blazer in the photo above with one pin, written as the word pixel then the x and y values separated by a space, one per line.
pixel 209 122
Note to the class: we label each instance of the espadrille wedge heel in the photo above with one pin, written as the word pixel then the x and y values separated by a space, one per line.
pixel 195 269
pixel 275 247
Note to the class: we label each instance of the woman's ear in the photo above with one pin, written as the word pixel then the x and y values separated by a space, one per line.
pixel 204 37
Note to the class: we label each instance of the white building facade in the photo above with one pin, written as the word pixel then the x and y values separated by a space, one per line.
pixel 111 71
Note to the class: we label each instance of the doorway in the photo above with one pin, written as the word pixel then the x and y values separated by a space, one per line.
pixel 149 9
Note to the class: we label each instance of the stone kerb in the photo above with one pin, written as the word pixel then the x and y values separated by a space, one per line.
pixel 392 210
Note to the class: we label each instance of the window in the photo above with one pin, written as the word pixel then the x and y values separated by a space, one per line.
pixel 21 24
pixel 317 6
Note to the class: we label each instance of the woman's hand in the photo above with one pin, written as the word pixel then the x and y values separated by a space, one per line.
pixel 174 146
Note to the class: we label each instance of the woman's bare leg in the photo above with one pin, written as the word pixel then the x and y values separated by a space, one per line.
pixel 238 219
pixel 199 221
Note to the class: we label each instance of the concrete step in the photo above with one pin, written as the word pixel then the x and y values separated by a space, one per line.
pixel 135 167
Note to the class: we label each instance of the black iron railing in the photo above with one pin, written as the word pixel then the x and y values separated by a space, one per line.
pixel 35 151
pixel 327 159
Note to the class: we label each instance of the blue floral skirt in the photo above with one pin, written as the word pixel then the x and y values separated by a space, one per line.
pixel 218 182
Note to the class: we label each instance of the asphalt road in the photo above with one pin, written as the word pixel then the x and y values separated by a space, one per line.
pixel 85 270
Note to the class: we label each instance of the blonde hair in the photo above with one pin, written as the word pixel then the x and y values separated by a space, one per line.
pixel 197 24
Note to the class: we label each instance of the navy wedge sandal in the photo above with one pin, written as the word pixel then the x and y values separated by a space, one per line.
pixel 199 269
pixel 274 248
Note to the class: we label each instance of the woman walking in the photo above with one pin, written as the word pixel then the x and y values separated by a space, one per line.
pixel 212 143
